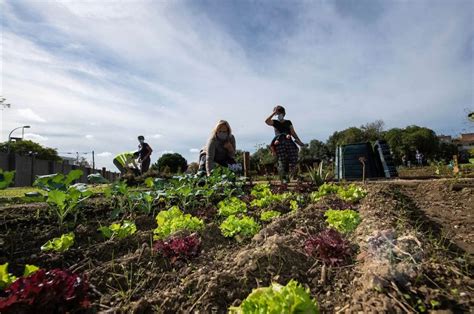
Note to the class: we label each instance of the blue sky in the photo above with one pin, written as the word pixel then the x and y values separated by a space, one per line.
pixel 92 75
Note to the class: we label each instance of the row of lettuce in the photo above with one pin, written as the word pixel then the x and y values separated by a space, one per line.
pixel 177 235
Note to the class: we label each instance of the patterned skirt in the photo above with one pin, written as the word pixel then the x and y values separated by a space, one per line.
pixel 287 152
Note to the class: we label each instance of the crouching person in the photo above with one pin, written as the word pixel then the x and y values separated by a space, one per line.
pixel 125 162
pixel 219 150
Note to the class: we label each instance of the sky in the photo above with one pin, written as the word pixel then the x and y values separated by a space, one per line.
pixel 93 75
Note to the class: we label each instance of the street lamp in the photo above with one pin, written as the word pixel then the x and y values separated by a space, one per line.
pixel 22 134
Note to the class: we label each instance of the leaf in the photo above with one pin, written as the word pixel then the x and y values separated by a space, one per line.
pixel 72 176
pixel 29 269
pixel 61 244
pixel 6 178
pixel 96 178
pixel 6 278
pixel 57 197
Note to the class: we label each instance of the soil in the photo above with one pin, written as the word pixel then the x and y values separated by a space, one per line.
pixel 413 249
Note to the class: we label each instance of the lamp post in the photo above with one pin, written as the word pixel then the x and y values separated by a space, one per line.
pixel 22 134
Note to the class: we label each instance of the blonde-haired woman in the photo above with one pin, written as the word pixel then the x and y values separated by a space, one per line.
pixel 220 148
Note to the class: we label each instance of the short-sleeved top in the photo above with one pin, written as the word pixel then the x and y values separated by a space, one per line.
pixel 282 127
pixel 143 150
pixel 124 158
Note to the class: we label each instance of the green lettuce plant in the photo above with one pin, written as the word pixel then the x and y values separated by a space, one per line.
pixel 61 244
pixel 275 299
pixel 6 178
pixel 239 228
pixel 269 215
pixel 118 230
pixel 231 206
pixel 6 278
pixel 173 220
pixel 344 221
pixel 351 193
pixel 264 196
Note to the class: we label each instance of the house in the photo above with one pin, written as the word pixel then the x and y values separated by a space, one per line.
pixel 464 142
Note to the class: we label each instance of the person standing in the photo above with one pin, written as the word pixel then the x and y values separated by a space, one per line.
pixel 419 158
pixel 220 149
pixel 283 144
pixel 144 153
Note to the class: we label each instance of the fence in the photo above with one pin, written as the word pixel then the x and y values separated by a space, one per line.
pixel 28 167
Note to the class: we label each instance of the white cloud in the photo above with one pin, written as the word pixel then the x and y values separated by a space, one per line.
pixel 30 115
pixel 89 136
pixel 104 154
pixel 194 150
pixel 156 136
pixel 35 137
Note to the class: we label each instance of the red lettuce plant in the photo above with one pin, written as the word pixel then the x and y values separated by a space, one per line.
pixel 179 248
pixel 54 291
pixel 330 247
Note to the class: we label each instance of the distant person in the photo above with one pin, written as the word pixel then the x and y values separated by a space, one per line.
pixel 144 153
pixel 125 162
pixel 282 144
pixel 404 160
pixel 419 158
pixel 219 150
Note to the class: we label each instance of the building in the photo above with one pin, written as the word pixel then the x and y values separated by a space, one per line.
pixel 448 139
pixel 465 141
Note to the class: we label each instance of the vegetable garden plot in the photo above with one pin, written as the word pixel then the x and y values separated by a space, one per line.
pixel 191 245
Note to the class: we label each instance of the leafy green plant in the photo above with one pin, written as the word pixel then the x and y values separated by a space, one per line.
pixel 61 244
pixel 239 227
pixel 344 221
pixel 231 206
pixel 120 196
pixel 269 215
pixel 64 203
pixel 118 230
pixel 352 193
pixel 29 269
pixel 6 278
pixel 318 175
pixel 325 189
pixel 173 220
pixel 264 196
pixel 6 178
pixel 57 181
pixel 292 298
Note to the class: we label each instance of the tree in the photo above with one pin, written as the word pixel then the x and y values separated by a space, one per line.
pixel 373 131
pixel 82 162
pixel 262 160
pixel 315 152
pixel 407 141
pixel 175 163
pixel 347 136
pixel 27 147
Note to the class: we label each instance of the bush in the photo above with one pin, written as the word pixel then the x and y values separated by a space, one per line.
pixel 172 163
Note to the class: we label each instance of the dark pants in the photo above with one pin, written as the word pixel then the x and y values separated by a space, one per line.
pixel 120 167
pixel 224 163
pixel 145 165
